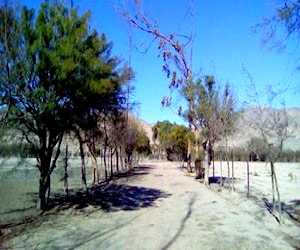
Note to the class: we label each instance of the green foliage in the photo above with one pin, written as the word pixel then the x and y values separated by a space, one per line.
pixel 135 138
pixel 172 138
pixel 57 72
pixel 258 147
pixel 211 108
pixel 142 143
pixel 55 75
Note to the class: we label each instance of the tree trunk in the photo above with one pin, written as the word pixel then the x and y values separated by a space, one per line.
pixel 210 155
pixel 105 164
pixel 273 186
pixel 232 172
pixel 44 183
pixel 44 192
pixel 46 165
pixel 278 195
pixel 198 160
pixel 189 156
pixel 227 160
pixel 83 166
pixel 66 184
pixel 117 160
pixel 248 178
pixel 95 173
pixel 221 171
pixel 93 156
pixel 111 163
pixel 122 159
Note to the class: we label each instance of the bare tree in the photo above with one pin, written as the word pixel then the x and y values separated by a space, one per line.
pixel 214 115
pixel 172 48
pixel 272 127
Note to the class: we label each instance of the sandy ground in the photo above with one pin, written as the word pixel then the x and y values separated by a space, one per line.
pixel 163 207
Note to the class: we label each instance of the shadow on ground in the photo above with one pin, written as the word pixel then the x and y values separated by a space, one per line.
pixel 109 197
pixel 292 209
pixel 134 173
pixel 221 180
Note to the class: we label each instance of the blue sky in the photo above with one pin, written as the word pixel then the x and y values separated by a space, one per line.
pixel 224 44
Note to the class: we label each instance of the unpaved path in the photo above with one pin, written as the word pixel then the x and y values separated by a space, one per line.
pixel 159 208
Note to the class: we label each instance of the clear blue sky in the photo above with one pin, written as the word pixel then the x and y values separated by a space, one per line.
pixel 224 44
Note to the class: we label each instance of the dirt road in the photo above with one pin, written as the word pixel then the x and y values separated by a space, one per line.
pixel 159 207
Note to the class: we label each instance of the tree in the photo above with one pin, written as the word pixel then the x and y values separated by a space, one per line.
pixel 172 48
pixel 173 139
pixel 283 26
pixel 257 148
pixel 213 111
pixel 56 75
pixel 272 126
pixel 135 140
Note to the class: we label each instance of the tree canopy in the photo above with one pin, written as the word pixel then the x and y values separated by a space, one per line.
pixel 173 138
pixel 55 74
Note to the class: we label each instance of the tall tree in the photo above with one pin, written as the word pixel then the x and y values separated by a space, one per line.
pixel 176 51
pixel 272 126
pixel 56 74
pixel 214 110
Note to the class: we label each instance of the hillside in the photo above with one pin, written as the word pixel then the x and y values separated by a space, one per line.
pixel 244 132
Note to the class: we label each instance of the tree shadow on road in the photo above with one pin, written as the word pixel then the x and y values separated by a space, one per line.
pixel 182 224
pixel 109 197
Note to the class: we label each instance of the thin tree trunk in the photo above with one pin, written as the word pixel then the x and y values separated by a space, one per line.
pixel 122 158
pixel 66 184
pixel 105 164
pixel 83 166
pixel 95 172
pixel 221 170
pixel 227 160
pixel 117 160
pixel 273 186
pixel 189 156
pixel 111 164
pixel 198 160
pixel 232 171
pixel 213 162
pixel 248 178
pixel 278 195
pixel 93 156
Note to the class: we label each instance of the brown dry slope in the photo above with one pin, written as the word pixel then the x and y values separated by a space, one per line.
pixel 158 208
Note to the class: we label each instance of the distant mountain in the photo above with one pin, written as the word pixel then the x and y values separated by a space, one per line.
pixel 244 132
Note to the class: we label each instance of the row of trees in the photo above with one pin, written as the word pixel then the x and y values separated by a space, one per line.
pixel 176 50
pixel 58 76
pixel 117 141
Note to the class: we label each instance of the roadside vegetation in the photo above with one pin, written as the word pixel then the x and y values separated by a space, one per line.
pixel 64 97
